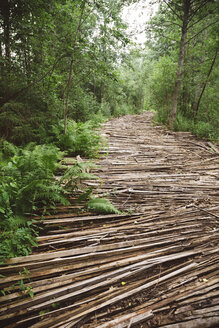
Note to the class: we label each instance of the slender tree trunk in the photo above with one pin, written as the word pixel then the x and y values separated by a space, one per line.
pixel 199 82
pixel 185 99
pixel 180 62
pixel 66 102
pixel 204 86
pixel 1 58
pixel 68 86
pixel 5 10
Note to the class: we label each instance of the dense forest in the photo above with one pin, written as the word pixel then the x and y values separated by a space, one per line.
pixel 66 66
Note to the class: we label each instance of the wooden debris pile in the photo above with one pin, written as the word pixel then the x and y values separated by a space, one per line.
pixel 153 266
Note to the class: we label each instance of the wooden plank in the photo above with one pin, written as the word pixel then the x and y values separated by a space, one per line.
pixel 128 320
pixel 86 250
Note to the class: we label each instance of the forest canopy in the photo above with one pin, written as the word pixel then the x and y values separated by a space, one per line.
pixel 66 59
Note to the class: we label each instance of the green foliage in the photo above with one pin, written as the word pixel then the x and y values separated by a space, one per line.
pixel 84 106
pixel 80 138
pixel 70 55
pixel 102 205
pixel 27 178
pixel 28 184
pixel 206 130
pixel 73 178
pixel 200 128
pixel 197 99
pixel 123 109
pixel 17 237
pixel 160 86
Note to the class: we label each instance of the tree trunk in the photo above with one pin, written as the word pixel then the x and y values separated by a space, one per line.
pixel 185 99
pixel 5 11
pixel 67 96
pixel 204 86
pixel 176 91
pixel 68 86
pixel 199 81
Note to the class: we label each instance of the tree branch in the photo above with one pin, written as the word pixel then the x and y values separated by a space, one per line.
pixel 66 99
pixel 16 94
pixel 173 23
pixel 175 13
pixel 166 37
pixel 199 20
pixel 201 31
pixel 205 83
pixel 197 9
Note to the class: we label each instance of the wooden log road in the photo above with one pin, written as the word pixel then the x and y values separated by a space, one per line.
pixel 154 265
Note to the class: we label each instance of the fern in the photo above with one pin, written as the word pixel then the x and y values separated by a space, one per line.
pixel 80 138
pixel 74 177
pixel 27 183
pixel 102 205
pixel 17 237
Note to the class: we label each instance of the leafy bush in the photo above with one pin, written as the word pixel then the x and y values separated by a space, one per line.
pixel 80 138
pixel 200 128
pixel 73 178
pixel 83 106
pixel 105 109
pixel 206 130
pixel 123 109
pixel 27 178
pixel 182 123
pixel 99 118
pixel 18 236
pixel 161 82
pixel 27 185
pixel 20 124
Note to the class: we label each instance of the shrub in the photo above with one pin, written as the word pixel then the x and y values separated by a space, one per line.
pixel 28 185
pixel 182 123
pixel 80 138
pixel 205 130
pixel 123 109
pixel 200 128
pixel 27 178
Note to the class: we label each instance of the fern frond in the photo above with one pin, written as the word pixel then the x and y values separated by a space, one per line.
pixel 102 205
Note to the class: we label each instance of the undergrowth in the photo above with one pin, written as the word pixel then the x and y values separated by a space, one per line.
pixel 79 139
pixel 28 187
pixel 27 184
pixel 201 128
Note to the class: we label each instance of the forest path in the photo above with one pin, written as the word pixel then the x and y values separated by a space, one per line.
pixel 156 266
pixel 152 168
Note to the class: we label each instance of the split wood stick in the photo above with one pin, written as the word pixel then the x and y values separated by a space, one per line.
pixel 108 279
pixel 208 296
pixel 113 257
pixel 196 323
pixel 66 279
pixel 123 321
pixel 83 287
pixel 101 304
pixel 203 210
pixel 197 299
pixel 85 250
